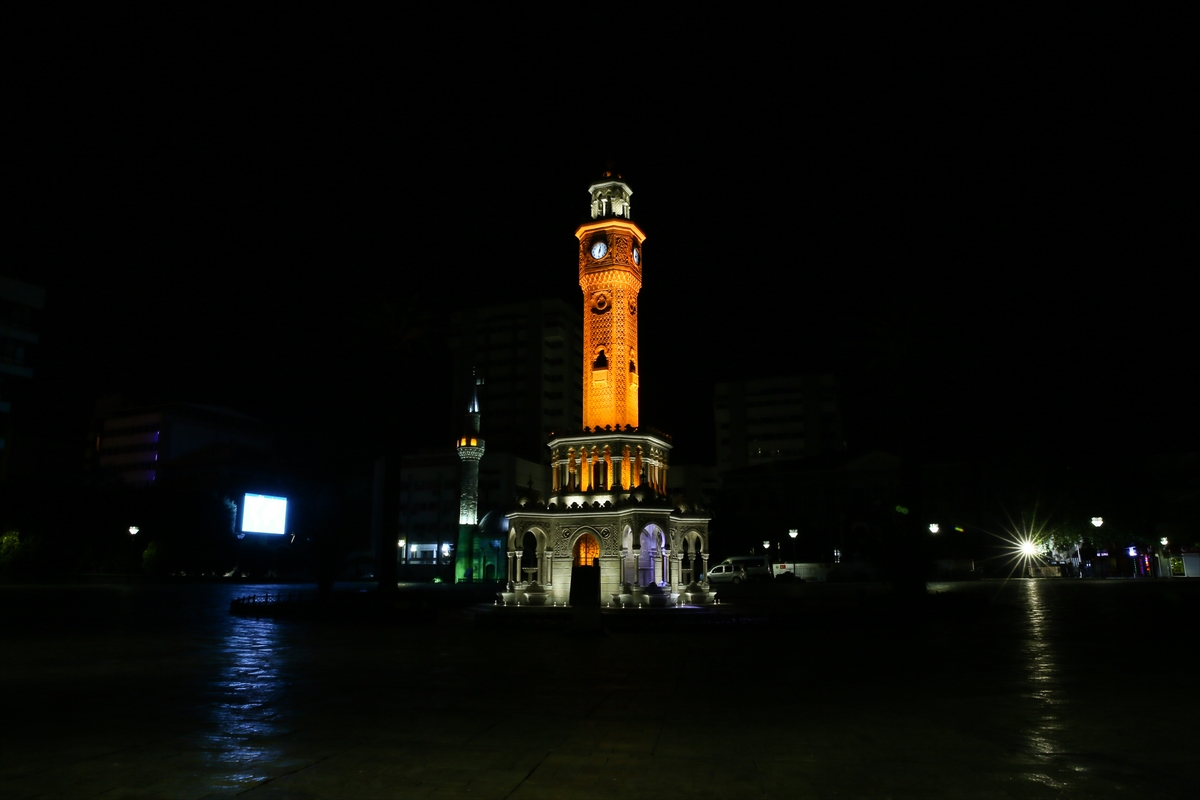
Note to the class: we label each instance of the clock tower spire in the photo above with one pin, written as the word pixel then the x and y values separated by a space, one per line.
pixel 610 274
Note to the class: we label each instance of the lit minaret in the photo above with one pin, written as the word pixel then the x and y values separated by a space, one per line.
pixel 470 450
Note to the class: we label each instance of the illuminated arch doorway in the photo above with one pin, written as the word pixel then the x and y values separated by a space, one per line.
pixel 650 568
pixel 693 558
pixel 527 551
pixel 530 560
pixel 586 549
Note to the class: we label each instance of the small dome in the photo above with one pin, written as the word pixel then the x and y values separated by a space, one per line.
pixel 494 525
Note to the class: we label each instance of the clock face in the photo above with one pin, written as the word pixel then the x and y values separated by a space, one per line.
pixel 637 256
pixel 599 249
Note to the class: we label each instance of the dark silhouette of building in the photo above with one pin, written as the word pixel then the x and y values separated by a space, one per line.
pixel 775 419
pixel 527 356
pixel 139 445
pixel 20 308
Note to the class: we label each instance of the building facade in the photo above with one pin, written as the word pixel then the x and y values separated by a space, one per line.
pixel 777 418
pixel 609 507
pixel 20 308
pixel 526 358
pixel 139 445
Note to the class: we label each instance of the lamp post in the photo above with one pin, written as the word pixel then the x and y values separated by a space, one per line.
pixel 794 532
pixel 1097 522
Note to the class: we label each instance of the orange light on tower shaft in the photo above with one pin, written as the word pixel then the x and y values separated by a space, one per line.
pixel 610 275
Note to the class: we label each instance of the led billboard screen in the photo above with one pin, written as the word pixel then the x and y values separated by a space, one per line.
pixel 264 514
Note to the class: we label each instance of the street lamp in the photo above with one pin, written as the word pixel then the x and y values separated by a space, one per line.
pixel 1097 522
pixel 933 527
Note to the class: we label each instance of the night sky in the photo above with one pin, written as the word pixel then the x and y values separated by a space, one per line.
pixel 973 221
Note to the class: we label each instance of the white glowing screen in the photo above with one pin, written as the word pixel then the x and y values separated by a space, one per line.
pixel 264 514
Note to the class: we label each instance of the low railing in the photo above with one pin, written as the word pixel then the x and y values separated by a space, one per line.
pixel 268 605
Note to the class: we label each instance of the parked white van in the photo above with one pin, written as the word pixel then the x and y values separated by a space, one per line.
pixel 739 569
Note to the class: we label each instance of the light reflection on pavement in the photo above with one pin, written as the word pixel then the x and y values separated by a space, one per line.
pixel 990 690
pixel 246 702
pixel 1045 684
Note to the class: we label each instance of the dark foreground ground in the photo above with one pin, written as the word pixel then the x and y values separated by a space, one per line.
pixel 1022 689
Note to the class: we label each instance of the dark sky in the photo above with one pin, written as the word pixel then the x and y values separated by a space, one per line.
pixel 973 221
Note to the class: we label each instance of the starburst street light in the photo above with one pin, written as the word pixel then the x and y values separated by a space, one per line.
pixel 1025 542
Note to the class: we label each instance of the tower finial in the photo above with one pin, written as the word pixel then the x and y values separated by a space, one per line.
pixel 476 382
pixel 610 196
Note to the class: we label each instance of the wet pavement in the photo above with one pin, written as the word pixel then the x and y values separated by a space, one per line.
pixel 1029 688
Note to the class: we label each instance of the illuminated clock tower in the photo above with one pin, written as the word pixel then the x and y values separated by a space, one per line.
pixel 610 274
pixel 610 506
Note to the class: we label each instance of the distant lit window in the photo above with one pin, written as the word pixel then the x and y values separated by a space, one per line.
pixel 422 553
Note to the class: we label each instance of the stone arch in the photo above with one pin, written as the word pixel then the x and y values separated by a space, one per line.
pixel 578 542
pixel 650 566
pixel 528 551
pixel 586 551
pixel 528 556
pixel 628 568
pixel 540 535
pixel 692 557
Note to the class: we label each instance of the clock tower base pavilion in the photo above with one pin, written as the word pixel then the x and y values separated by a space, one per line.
pixel 609 517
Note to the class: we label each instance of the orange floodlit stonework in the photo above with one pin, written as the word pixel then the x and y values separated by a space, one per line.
pixel 610 274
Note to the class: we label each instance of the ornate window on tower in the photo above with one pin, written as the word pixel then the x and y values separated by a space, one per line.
pixel 586 549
